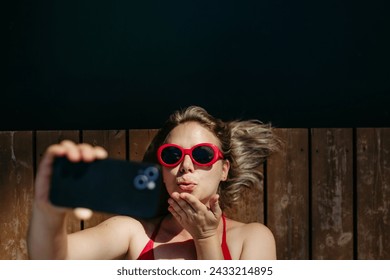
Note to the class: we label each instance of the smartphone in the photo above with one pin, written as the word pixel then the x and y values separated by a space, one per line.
pixel 110 185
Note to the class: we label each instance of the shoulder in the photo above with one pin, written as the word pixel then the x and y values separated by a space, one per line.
pixel 254 240
pixel 119 223
pixel 108 240
pixel 118 229
pixel 127 225
pixel 247 230
pixel 127 232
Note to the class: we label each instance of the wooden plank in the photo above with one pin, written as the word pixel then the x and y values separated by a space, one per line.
pixel 373 193
pixel 250 207
pixel 332 193
pixel 288 195
pixel 16 192
pixel 46 138
pixel 114 141
pixel 139 141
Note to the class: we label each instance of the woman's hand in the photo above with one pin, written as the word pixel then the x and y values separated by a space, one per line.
pixel 198 219
pixel 75 153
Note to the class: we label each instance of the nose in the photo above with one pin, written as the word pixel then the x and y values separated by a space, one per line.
pixel 187 165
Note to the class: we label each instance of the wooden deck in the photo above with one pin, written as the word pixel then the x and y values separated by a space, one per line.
pixel 326 195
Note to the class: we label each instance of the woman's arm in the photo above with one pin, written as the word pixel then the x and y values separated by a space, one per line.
pixel 106 241
pixel 47 236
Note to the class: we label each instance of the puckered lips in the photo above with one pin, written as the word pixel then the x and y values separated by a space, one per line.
pixel 186 185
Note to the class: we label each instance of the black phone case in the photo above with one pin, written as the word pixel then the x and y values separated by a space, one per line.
pixel 110 185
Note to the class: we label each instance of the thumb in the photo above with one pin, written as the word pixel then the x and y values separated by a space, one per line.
pixel 83 213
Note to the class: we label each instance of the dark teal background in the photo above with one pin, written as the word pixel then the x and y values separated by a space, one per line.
pixel 128 64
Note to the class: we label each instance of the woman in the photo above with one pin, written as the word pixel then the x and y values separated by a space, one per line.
pixel 205 163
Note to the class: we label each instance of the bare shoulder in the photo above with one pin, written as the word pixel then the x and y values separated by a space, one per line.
pixel 120 222
pixel 116 229
pixel 136 232
pixel 247 231
pixel 116 237
pixel 108 240
pixel 251 240
pixel 124 225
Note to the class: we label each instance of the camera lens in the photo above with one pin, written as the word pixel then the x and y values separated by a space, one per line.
pixel 141 182
pixel 152 173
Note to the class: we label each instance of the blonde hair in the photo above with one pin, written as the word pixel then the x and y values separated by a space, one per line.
pixel 245 143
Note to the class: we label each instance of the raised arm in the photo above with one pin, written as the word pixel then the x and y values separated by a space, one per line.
pixel 47 236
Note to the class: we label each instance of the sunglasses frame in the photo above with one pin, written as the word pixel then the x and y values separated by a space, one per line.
pixel 217 154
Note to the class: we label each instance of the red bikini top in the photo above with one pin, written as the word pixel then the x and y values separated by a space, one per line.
pixel 148 252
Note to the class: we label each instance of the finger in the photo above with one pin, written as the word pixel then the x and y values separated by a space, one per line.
pixel 72 152
pixel 83 151
pixel 174 213
pixel 100 152
pixel 176 206
pixel 87 152
pixel 49 155
pixel 193 202
pixel 44 171
pixel 83 213
pixel 183 204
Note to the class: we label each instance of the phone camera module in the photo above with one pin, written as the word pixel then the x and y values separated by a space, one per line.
pixel 152 173
pixel 141 182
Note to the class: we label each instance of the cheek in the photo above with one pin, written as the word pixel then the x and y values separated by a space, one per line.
pixel 211 179
pixel 215 181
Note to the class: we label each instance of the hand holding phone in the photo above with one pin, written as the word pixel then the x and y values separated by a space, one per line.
pixel 109 185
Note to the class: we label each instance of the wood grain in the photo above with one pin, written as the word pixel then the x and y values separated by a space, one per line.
pixel 320 199
pixel 332 193
pixel 288 195
pixel 16 192
pixel 373 193
pixel 139 141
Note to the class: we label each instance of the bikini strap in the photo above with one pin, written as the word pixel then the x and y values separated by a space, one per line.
pixel 224 246
pixel 148 251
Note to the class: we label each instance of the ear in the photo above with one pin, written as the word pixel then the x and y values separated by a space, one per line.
pixel 225 170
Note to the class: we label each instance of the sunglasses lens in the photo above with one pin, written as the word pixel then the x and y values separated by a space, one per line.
pixel 203 154
pixel 171 155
